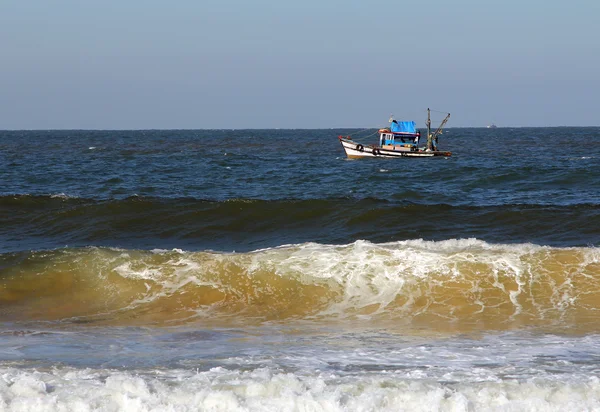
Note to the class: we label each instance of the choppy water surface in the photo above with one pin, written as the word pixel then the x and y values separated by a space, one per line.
pixel 261 270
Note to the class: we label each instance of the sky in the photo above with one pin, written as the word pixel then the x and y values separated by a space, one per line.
pixel 212 64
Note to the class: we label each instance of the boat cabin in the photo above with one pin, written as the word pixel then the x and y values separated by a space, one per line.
pixel 400 136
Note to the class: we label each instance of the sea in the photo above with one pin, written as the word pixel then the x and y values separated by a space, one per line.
pixel 262 270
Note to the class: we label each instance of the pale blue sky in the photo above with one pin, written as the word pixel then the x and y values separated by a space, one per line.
pixel 307 64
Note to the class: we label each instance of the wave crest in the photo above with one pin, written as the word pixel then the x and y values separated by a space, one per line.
pixel 464 284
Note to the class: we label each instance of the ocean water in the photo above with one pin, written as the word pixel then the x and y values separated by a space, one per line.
pixel 261 270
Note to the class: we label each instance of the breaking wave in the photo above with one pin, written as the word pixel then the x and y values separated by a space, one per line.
pixel 454 285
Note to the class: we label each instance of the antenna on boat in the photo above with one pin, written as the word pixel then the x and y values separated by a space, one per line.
pixel 391 118
pixel 429 137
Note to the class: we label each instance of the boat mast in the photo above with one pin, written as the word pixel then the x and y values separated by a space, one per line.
pixel 429 140
pixel 434 135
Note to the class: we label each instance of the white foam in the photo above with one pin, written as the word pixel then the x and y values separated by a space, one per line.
pixel 62 196
pixel 368 274
pixel 264 389
pixel 374 274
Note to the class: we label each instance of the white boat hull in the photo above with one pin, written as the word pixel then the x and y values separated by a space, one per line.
pixel 356 150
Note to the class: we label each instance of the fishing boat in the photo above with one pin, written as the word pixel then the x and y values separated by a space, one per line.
pixel 400 139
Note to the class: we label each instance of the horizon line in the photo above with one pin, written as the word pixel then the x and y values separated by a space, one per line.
pixel 277 128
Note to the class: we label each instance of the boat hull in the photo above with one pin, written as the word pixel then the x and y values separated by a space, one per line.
pixel 356 150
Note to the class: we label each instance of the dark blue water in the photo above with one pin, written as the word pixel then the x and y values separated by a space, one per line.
pixel 549 166
pixel 248 189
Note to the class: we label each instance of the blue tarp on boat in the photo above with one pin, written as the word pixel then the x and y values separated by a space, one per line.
pixel 403 127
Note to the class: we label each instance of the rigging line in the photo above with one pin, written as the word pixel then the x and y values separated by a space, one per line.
pixel 358 139
pixel 360 131
pixel 437 111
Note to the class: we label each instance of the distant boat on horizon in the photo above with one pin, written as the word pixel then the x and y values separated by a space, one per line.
pixel 492 126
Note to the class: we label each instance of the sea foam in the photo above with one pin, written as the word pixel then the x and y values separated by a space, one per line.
pixel 263 389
